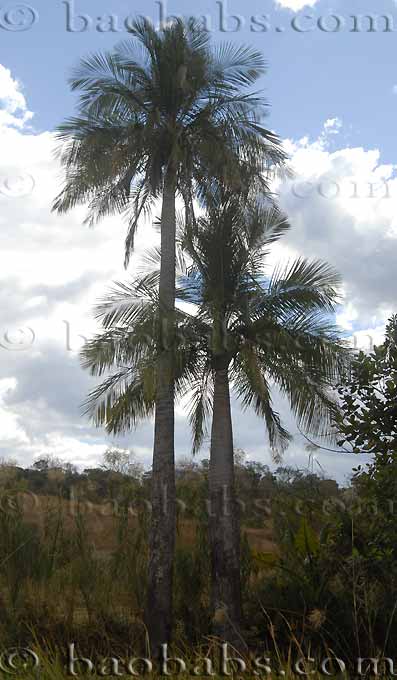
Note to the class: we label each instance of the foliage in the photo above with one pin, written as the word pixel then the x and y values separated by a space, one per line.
pixel 160 99
pixel 368 422
pixel 271 329
pixel 318 563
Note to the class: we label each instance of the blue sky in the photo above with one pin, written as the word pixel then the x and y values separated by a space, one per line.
pixel 333 97
pixel 313 75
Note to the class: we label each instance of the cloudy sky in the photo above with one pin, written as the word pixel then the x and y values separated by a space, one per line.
pixel 333 92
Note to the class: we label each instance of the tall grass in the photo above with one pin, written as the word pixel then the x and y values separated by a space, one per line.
pixel 325 589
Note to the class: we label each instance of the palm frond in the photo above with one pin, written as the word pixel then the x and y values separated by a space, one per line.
pixel 250 384
pixel 237 65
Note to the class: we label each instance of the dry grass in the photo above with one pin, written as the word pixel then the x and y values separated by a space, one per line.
pixel 101 522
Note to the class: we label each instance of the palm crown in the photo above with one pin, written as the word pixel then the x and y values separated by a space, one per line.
pixel 267 330
pixel 162 98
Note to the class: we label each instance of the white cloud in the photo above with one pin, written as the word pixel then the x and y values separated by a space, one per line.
pixel 84 454
pixel 12 432
pixel 54 268
pixel 296 5
pixel 343 208
pixel 332 126
pixel 13 108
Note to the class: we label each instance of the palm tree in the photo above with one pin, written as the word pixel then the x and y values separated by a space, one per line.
pixel 249 331
pixel 160 116
pixel 264 331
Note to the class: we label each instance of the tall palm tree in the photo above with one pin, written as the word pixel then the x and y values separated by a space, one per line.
pixel 264 331
pixel 248 330
pixel 162 115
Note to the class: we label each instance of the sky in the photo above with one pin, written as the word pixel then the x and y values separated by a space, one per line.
pixel 332 89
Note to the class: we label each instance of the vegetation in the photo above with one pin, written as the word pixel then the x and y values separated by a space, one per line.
pixel 163 115
pixel 315 578
pixel 244 326
pixel 117 557
pixel 368 417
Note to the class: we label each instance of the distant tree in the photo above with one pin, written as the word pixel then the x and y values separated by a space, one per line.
pixel 240 457
pixel 9 471
pixel 368 425
pixel 40 465
pixel 50 462
pixel 122 461
pixel 368 419
pixel 8 462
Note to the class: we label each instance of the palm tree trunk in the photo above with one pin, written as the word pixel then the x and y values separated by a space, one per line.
pixel 162 533
pixel 224 520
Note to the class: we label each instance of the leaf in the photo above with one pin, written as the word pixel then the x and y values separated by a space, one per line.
pixel 306 541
